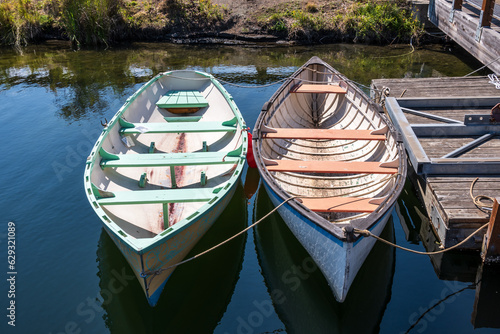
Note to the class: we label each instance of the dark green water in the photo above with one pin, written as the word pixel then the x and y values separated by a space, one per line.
pixel 72 279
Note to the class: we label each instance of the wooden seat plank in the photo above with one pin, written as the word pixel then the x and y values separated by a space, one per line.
pixel 333 167
pixel 169 159
pixel 318 89
pixel 182 99
pixel 306 133
pixel 339 204
pixel 158 196
pixel 177 127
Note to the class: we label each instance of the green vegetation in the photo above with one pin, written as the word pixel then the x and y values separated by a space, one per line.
pixel 21 21
pixel 101 22
pixel 381 21
pixel 90 22
pixel 369 21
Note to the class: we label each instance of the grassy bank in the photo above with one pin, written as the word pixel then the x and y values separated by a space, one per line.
pixel 103 22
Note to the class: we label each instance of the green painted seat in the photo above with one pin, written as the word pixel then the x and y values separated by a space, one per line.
pixel 177 127
pixel 182 99
pixel 168 159
pixel 159 196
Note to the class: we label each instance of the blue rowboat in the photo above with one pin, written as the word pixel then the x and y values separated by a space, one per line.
pixel 319 138
pixel 163 170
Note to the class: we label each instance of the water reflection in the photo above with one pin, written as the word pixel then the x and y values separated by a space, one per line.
pixel 461 266
pixel 487 299
pixel 89 81
pixel 301 295
pixel 196 296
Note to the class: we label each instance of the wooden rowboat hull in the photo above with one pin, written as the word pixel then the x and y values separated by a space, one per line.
pixel 164 169
pixel 171 251
pixel 338 260
pixel 321 140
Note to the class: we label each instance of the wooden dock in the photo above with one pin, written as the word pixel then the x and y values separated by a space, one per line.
pixel 473 24
pixel 446 128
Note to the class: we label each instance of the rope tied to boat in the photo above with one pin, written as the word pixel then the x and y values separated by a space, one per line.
pixel 485 207
pixel 157 272
pixel 367 233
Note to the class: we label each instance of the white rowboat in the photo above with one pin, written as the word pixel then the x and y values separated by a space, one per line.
pixel 163 170
pixel 321 139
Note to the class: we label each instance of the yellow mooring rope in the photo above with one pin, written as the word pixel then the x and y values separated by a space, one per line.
pixel 365 233
pixel 477 201
pixel 157 272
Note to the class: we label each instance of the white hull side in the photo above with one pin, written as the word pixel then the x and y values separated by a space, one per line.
pixel 339 261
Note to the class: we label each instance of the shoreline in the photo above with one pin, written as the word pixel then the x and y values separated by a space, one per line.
pixel 239 22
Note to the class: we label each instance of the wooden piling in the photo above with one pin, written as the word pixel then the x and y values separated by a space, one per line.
pixel 491 251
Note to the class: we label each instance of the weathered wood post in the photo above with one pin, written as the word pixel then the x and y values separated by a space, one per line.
pixel 491 246
pixel 487 12
pixel 485 18
pixel 456 5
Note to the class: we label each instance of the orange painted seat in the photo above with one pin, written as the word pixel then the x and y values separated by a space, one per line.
pixel 334 167
pixel 306 133
pixel 340 204
pixel 319 89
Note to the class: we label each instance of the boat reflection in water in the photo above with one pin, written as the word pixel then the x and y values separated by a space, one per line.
pixel 301 295
pixel 199 290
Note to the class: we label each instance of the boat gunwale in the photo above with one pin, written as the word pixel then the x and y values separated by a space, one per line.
pixel 336 229
pixel 142 245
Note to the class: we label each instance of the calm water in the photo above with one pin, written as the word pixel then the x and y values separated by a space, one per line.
pixel 72 279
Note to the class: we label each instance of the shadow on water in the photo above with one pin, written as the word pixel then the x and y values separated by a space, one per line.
pixel 195 297
pixel 301 296
pixel 454 266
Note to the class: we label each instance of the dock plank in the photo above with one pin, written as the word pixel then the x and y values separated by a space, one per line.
pixel 436 87
pixel 447 197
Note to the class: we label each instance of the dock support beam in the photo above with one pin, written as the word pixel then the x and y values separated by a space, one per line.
pixel 491 250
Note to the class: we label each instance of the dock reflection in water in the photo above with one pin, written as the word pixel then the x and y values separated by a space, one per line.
pixel 453 266
pixel 300 293
pixel 196 295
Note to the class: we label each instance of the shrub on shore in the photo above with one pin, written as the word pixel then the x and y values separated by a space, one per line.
pixel 90 22
pixel 21 21
pixel 381 22
pixel 378 21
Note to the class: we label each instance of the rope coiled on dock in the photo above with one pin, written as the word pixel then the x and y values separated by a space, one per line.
pixel 485 207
